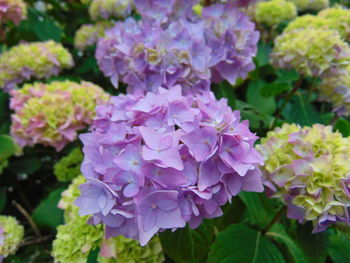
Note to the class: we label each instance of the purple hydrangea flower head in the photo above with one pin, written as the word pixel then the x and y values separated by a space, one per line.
pixel 161 160
pixel 12 10
pixel 190 53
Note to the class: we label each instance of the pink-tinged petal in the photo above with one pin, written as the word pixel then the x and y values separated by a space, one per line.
pixel 108 249
pixel 209 174
pixel 145 236
pixel 149 220
pixel 151 138
pixel 171 158
pixel 201 142
pixel 252 181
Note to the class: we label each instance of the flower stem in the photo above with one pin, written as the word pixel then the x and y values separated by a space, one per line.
pixel 28 217
pixel 207 2
pixel 274 220
pixel 287 99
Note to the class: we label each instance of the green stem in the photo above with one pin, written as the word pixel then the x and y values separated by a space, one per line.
pixel 207 2
pixel 274 220
pixel 287 99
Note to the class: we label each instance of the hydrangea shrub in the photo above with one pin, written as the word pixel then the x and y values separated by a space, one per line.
pixel 11 234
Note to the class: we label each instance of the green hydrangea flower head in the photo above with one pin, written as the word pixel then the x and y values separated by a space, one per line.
pixel 310 5
pixel 335 89
pixel 338 16
pixel 87 35
pixel 311 51
pixel 75 240
pixel 11 234
pixel 309 169
pixel 107 9
pixel 309 21
pixel 68 197
pixel 37 60
pixel 274 12
pixel 125 250
pixel 68 167
pixel 52 114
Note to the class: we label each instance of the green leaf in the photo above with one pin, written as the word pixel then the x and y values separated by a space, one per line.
pixel 241 244
pixel 231 216
pixel 93 256
pixel 314 246
pixel 7 147
pixel 255 98
pixel 2 199
pixel 257 119
pixel 287 76
pixel 343 126
pixel 188 245
pixel 47 214
pixel 339 248
pixel 274 89
pixel 279 234
pixel 25 165
pixel 225 90
pixel 301 111
pixel 260 209
pixel 44 26
pixel 263 55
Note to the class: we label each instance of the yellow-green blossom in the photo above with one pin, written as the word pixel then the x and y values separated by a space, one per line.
pixel 309 169
pixel 88 35
pixel 68 197
pixel 75 240
pixel 107 9
pixel 311 51
pixel 125 250
pixel 335 89
pixel 11 234
pixel 340 17
pixel 274 12
pixel 69 166
pixel 52 114
pixel 33 60
pixel 310 5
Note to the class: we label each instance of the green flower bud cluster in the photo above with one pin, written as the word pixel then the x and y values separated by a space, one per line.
pixel 75 240
pixel 336 18
pixel 32 60
pixel 52 114
pixel 310 5
pixel 274 12
pixel 68 167
pixel 11 234
pixel 107 9
pixel 88 35
pixel 311 51
pixel 309 169
pixel 126 250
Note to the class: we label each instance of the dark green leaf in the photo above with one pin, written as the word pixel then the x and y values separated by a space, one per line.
pixel 188 245
pixel 301 111
pixel 241 244
pixel 260 209
pixel 287 76
pixel 93 256
pixel 339 248
pixel 225 90
pixel 254 97
pixel 47 214
pixel 25 165
pixel 274 89
pixel 343 126
pixel 279 234
pixel 263 55
pixel 2 199
pixel 314 246
pixel 233 213
pixel 7 147
pixel 257 119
